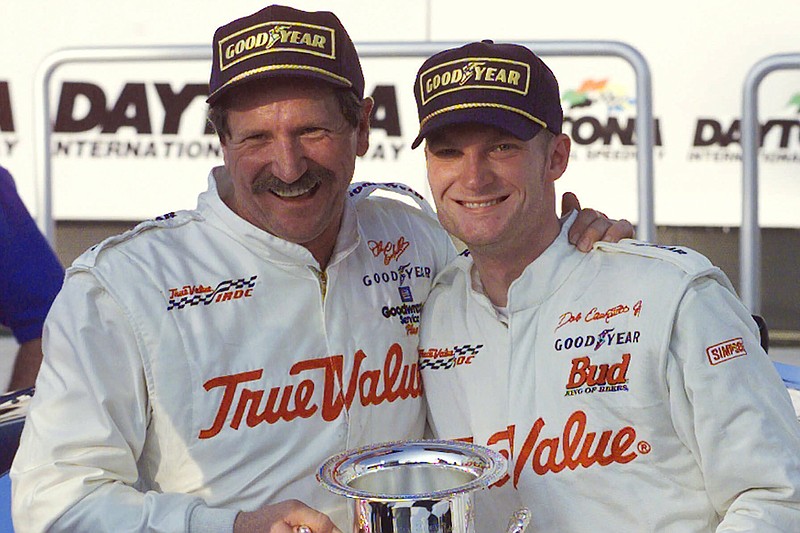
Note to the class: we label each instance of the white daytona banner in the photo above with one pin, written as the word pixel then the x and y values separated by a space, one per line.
pixel 129 139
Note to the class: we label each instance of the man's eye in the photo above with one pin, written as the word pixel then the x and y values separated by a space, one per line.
pixel 252 138
pixel 445 153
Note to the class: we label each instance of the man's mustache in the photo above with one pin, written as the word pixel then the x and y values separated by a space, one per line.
pixel 268 182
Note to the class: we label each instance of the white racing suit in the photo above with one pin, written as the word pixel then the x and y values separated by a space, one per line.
pixel 197 366
pixel 627 387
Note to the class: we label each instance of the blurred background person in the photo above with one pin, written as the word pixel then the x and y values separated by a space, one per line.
pixel 30 277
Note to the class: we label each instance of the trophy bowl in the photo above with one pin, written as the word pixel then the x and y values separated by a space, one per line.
pixel 423 486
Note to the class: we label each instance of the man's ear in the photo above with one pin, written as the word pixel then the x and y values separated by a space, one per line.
pixel 559 155
pixel 227 146
pixel 363 126
pixel 224 147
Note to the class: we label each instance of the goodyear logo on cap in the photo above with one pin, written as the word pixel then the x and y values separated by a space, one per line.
pixel 474 73
pixel 276 37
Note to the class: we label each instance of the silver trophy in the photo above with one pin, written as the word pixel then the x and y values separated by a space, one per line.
pixel 421 486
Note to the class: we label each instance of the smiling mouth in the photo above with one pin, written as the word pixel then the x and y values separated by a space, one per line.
pixel 294 192
pixel 478 205
pixel 306 185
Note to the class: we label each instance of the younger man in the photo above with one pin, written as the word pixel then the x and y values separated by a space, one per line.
pixel 626 386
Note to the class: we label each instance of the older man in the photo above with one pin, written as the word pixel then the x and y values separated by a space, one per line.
pixel 200 367
pixel 627 386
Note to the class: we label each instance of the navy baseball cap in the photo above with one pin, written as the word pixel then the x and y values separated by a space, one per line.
pixel 502 85
pixel 283 41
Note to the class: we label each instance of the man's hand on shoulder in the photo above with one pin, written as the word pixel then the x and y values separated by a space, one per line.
pixel 284 517
pixel 592 225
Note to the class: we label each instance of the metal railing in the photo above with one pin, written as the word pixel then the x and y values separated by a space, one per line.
pixel 750 232
pixel 644 126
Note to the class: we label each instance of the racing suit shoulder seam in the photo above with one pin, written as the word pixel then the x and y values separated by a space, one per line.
pixel 683 258
pixel 90 257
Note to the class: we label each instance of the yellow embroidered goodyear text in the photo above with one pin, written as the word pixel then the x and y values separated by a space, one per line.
pixel 274 37
pixel 474 72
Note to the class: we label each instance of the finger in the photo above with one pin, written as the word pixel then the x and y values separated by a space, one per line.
pixel 593 233
pixel 585 219
pixel 603 229
pixel 314 521
pixel 621 229
pixel 569 202
pixel 306 529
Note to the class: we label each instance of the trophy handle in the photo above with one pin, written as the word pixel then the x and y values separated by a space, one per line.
pixel 519 521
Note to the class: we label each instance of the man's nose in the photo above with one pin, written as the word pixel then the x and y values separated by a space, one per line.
pixel 288 160
pixel 476 172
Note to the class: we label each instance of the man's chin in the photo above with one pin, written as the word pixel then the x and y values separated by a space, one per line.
pixel 475 238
